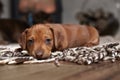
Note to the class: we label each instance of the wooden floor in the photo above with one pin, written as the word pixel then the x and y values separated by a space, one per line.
pixel 48 71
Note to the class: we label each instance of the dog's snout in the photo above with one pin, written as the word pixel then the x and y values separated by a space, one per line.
pixel 39 54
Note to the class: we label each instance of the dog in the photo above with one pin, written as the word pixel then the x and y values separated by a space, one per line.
pixel 41 39
pixel 10 30
pixel 105 22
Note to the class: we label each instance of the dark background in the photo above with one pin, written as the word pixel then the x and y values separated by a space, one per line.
pixel 70 8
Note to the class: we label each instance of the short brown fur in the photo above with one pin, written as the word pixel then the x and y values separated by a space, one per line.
pixel 41 39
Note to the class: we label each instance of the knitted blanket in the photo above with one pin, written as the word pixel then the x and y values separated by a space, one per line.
pixel 109 51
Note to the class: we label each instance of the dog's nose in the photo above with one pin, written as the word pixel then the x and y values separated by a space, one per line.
pixel 39 54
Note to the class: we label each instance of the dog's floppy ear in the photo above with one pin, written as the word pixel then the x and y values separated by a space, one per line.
pixel 22 39
pixel 59 38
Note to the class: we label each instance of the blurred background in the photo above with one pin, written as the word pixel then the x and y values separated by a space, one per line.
pixel 103 14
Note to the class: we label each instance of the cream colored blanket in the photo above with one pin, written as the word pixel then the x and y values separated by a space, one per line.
pixel 108 50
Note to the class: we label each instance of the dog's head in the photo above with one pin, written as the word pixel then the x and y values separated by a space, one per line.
pixel 40 40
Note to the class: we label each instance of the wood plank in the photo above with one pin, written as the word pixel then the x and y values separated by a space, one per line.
pixel 104 71
pixel 48 71
pixel 21 70
pixel 56 73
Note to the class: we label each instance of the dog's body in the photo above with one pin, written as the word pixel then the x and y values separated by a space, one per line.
pixel 41 39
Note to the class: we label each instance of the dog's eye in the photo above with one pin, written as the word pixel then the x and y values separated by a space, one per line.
pixel 30 42
pixel 47 41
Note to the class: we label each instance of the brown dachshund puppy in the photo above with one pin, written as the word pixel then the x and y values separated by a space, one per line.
pixel 41 39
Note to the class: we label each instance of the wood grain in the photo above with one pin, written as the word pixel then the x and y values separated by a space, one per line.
pixel 48 71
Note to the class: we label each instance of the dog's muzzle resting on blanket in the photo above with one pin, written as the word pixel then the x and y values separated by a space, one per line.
pixel 41 39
